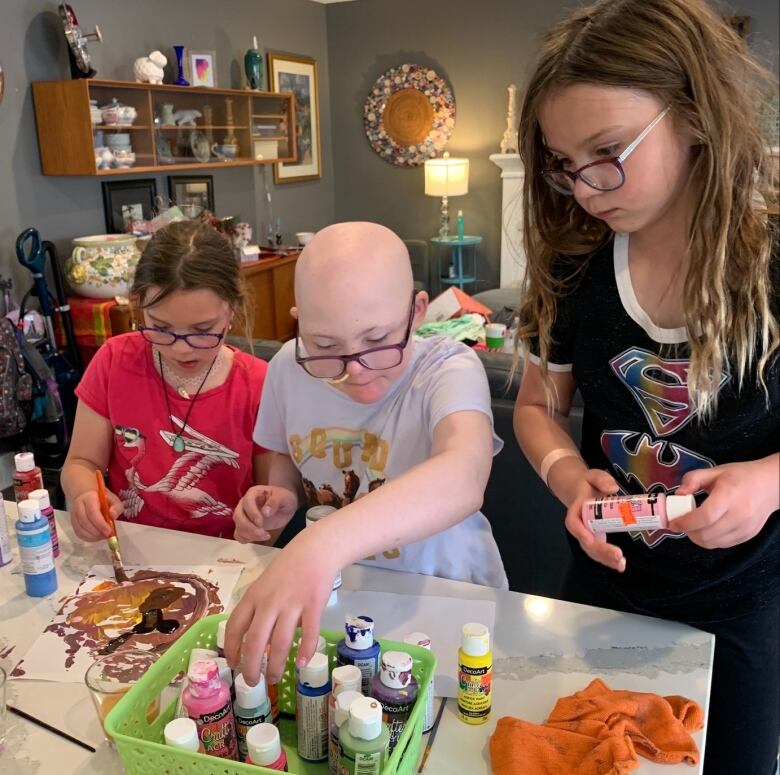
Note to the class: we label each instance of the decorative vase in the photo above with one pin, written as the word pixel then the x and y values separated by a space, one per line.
pixel 253 67
pixel 180 79
pixel 103 266
pixel 166 117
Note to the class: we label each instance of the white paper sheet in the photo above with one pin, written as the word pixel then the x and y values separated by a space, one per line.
pixel 396 616
pixel 100 610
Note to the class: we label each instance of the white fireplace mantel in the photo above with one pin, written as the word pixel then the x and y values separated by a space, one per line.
pixel 512 252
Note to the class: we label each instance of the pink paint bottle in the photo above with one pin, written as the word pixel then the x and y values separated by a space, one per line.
pixel 207 702
pixel 627 513
pixel 27 476
pixel 42 496
pixel 265 748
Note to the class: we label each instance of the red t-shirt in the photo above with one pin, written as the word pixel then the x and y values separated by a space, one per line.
pixel 195 490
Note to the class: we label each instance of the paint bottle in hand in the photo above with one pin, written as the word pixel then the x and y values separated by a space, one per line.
pixel 423 641
pixel 32 533
pixel 42 496
pixel 364 739
pixel 5 539
pixel 252 707
pixel 265 748
pixel 182 733
pixel 396 689
pixel 207 702
pixel 475 674
pixel 311 709
pixel 27 476
pixel 358 648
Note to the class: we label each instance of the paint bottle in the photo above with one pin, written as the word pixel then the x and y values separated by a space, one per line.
pixel 196 655
pixel 358 648
pixel 32 533
pixel 182 733
pixel 341 715
pixel 273 689
pixel 345 678
pixel 27 476
pixel 624 513
pixel 364 739
pixel 475 674
pixel 311 709
pixel 42 496
pixel 396 689
pixel 207 701
pixel 221 638
pixel 423 641
pixel 315 514
pixel 226 674
pixel 460 225
pixel 252 707
pixel 6 553
pixel 265 748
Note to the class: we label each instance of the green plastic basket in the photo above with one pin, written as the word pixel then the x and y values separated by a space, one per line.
pixel 140 742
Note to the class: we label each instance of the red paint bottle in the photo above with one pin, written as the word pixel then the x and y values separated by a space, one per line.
pixel 42 496
pixel 27 476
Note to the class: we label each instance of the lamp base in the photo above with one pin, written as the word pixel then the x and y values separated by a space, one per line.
pixel 444 221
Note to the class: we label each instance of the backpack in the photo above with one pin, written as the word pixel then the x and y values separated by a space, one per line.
pixel 15 382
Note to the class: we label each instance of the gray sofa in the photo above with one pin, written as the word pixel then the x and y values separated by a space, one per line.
pixel 527 521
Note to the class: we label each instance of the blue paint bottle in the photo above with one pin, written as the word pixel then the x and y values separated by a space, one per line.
pixel 358 648
pixel 311 709
pixel 35 550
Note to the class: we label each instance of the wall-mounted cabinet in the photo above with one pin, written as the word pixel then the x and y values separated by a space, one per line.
pixel 235 127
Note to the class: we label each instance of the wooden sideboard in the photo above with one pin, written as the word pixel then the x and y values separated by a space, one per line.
pixel 271 284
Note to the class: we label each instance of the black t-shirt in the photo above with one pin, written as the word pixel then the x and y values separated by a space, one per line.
pixel 639 425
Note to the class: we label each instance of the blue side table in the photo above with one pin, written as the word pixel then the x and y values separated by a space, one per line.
pixel 465 265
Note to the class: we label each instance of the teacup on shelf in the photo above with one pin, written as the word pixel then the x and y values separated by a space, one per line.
pixel 226 151
pixel 123 159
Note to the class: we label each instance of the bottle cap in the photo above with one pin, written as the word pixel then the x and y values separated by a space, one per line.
pixel 360 632
pixel 29 510
pixel 221 634
pixel 344 702
pixel 198 655
pixel 475 639
pixel 346 678
pixel 250 696
pixel 418 639
pixel 365 718
pixel 203 678
pixel 263 745
pixel 182 733
pixel 42 496
pixel 396 669
pixel 24 461
pixel 315 674
pixel 677 505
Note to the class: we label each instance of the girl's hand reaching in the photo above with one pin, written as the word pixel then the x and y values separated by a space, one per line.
pixel 741 498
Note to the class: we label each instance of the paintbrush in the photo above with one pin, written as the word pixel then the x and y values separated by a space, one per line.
pixel 50 728
pixel 432 733
pixel 113 541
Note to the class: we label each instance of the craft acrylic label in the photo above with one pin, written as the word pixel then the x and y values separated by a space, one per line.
pixel 474 690
pixel 396 716
pixel 368 668
pixel 362 764
pixel 313 732
pixel 35 552
pixel 217 734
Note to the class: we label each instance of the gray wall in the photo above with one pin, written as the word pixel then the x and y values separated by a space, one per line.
pixel 32 47
pixel 480 48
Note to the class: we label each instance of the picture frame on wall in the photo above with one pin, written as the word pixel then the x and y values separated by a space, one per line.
pixel 200 67
pixel 298 75
pixel 192 193
pixel 125 201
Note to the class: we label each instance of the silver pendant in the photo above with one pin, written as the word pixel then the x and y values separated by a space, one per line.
pixel 178 445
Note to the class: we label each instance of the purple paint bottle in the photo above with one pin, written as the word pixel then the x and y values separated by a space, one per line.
pixel 396 689
pixel 42 496
pixel 358 648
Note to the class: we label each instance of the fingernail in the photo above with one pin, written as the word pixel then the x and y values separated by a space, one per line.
pixel 301 661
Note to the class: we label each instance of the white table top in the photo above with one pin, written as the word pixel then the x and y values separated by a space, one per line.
pixel 543 649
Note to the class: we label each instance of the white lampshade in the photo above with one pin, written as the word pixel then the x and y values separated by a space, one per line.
pixel 446 177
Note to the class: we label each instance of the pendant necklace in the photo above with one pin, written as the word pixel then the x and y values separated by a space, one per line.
pixel 178 442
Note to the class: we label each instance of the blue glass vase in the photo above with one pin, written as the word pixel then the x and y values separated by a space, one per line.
pixel 180 79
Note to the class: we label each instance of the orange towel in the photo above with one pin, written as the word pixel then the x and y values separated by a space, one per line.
pixel 598 731
pixel 91 319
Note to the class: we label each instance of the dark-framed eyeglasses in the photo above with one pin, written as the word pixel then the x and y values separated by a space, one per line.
pixel 602 175
pixel 385 356
pixel 163 338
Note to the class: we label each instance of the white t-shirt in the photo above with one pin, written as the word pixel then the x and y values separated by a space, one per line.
pixel 344 449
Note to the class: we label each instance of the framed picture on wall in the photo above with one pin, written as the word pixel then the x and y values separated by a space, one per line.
pixel 125 201
pixel 299 75
pixel 192 193
pixel 200 68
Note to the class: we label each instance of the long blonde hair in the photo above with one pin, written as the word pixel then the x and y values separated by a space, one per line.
pixel 681 52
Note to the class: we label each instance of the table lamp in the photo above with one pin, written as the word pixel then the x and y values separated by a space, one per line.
pixel 446 177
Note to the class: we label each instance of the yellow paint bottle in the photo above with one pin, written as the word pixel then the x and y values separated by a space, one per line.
pixel 475 674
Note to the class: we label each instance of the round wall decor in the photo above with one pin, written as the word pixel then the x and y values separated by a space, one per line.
pixel 409 115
